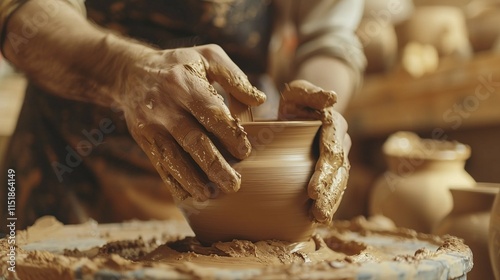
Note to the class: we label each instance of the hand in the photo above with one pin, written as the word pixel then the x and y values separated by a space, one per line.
pixel 171 109
pixel 303 100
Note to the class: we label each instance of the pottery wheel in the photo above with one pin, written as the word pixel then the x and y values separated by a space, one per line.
pixel 357 249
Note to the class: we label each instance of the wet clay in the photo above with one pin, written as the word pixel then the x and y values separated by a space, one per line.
pixel 159 250
pixel 303 100
pixel 178 133
pixel 272 202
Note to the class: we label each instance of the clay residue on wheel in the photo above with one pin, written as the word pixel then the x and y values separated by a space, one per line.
pixel 339 250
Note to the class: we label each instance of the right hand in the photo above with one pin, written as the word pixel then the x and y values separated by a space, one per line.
pixel 171 108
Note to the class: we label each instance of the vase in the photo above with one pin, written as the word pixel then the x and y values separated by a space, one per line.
pixel 443 27
pixel 272 202
pixel 482 25
pixel 414 191
pixel 494 237
pixel 470 219
pixel 380 49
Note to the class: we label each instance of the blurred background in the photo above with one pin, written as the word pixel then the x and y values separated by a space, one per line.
pixel 433 70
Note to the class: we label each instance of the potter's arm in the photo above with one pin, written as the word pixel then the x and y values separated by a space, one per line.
pixel 58 49
pixel 329 55
pixel 166 96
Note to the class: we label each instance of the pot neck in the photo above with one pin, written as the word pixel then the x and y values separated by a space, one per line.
pixel 401 165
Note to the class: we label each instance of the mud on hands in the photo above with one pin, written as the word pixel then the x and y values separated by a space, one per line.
pixel 171 107
pixel 303 100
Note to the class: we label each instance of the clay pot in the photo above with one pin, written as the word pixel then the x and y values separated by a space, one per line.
pixel 380 45
pixel 469 219
pixel 272 202
pixel 388 11
pixel 443 27
pixel 377 35
pixel 414 191
pixel 494 237
pixel 482 25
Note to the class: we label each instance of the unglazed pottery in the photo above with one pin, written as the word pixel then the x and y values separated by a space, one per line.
pixel 414 191
pixel 380 47
pixel 470 219
pixel 272 202
pixel 377 34
pixel 482 23
pixel 443 27
pixel 494 237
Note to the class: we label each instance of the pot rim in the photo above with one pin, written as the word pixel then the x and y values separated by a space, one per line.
pixel 405 144
pixel 285 123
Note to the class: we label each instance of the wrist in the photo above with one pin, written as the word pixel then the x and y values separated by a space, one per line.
pixel 125 63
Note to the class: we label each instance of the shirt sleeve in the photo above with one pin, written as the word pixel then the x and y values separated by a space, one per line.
pixel 8 7
pixel 327 27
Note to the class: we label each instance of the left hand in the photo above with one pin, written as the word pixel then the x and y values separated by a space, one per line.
pixel 303 100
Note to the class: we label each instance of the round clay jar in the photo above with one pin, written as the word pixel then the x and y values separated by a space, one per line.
pixel 443 27
pixel 272 202
pixel 470 219
pixel 494 237
pixel 414 191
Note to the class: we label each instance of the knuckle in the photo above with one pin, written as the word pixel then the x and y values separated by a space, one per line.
pixel 214 48
pixel 194 138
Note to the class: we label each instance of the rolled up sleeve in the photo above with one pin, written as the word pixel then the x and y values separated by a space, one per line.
pixel 327 28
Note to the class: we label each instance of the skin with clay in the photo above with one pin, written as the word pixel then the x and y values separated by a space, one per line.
pixel 171 107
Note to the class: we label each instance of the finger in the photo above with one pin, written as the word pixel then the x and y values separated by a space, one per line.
pixel 307 94
pixel 213 114
pixel 221 69
pixel 330 177
pixel 178 193
pixel 335 130
pixel 193 139
pixel 331 157
pixel 329 199
pixel 170 160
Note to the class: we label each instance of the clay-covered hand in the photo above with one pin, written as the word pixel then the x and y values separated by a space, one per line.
pixel 173 111
pixel 303 100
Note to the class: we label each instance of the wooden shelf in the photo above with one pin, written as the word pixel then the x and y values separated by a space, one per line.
pixel 460 94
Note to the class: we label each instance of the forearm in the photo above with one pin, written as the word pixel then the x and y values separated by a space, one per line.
pixel 330 74
pixel 62 52
pixel 329 53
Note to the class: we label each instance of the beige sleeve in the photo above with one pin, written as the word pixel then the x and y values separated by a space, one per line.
pixel 327 27
pixel 8 7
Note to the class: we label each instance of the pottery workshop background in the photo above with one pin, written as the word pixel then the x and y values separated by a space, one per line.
pixel 433 69
pixel 433 73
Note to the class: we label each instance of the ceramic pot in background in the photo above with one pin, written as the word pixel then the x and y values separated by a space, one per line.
pixel 380 45
pixel 272 202
pixel 414 191
pixel 470 219
pixel 483 19
pixel 443 27
pixel 494 237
